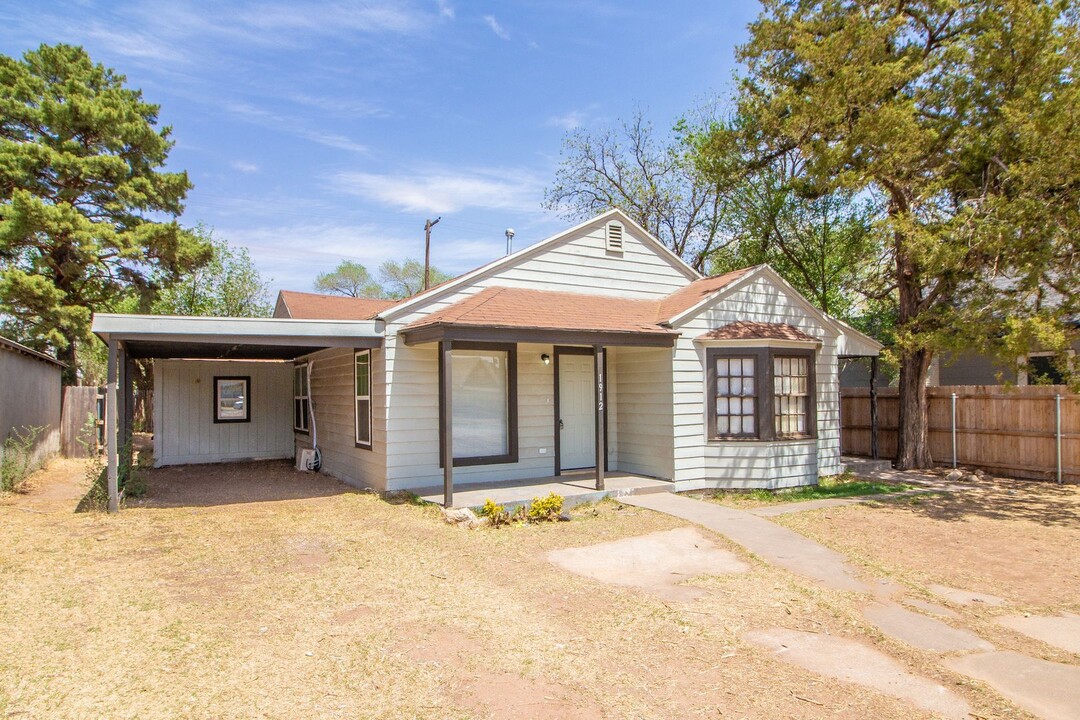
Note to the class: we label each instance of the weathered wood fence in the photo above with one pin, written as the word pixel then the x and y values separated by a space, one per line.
pixel 1010 431
pixel 82 422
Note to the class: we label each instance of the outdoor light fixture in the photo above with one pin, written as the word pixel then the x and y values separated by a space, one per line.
pixel 546 359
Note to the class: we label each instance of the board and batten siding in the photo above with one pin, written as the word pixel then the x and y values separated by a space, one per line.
pixel 333 405
pixel 700 463
pixel 185 431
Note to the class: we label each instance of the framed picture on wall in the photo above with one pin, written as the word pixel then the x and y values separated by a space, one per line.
pixel 232 399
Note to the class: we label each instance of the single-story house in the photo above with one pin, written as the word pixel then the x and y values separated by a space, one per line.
pixel 596 348
pixel 30 397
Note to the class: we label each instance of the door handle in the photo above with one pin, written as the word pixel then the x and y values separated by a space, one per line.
pixel 560 424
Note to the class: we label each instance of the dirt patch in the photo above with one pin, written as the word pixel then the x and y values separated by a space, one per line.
pixel 345 617
pixel 233 483
pixel 505 696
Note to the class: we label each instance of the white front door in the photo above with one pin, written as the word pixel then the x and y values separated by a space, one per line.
pixel 577 416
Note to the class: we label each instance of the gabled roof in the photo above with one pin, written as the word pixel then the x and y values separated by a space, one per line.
pixel 696 293
pixel 30 352
pixel 747 330
pixel 313 306
pixel 503 307
pixel 662 250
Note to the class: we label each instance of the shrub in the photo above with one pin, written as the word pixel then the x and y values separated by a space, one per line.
pixel 545 509
pixel 17 458
pixel 496 514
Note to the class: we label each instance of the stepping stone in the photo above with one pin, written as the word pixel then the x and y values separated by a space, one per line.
pixel 1061 632
pixel 854 662
pixel 656 562
pixel 964 597
pixel 1047 689
pixel 921 631
pixel 932 608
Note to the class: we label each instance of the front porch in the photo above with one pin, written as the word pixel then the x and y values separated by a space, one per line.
pixel 575 487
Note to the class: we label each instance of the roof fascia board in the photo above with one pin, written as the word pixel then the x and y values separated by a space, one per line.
pixel 758 342
pixel 403 308
pixel 23 350
pixel 134 327
pixel 439 332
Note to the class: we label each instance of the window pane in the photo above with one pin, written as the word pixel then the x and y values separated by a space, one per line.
pixel 231 399
pixel 735 401
pixel 480 397
pixel 363 375
pixel 723 386
pixel 791 395
pixel 721 406
pixel 363 421
pixel 722 367
pixel 748 367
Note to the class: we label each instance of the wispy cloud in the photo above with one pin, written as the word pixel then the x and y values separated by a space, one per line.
pixel 244 166
pixel 567 121
pixel 496 27
pixel 442 190
pixel 281 123
pixel 446 10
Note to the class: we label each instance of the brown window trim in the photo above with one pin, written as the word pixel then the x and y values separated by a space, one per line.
pixel 247 399
pixel 510 457
pixel 371 400
pixel 296 430
pixel 764 385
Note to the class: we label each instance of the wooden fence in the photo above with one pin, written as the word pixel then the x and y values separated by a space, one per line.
pixel 82 425
pixel 1009 431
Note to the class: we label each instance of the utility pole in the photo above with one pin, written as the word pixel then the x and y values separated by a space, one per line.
pixel 427 250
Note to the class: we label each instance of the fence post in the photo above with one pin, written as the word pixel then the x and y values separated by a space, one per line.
pixel 954 429
pixel 1057 403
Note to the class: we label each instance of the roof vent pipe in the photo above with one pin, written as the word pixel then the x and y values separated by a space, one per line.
pixel 509 240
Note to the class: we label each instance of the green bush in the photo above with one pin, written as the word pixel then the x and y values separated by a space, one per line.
pixel 17 458
pixel 496 514
pixel 545 509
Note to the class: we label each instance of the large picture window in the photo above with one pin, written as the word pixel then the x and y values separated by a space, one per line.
pixel 301 408
pixel 362 383
pixel 484 401
pixel 761 394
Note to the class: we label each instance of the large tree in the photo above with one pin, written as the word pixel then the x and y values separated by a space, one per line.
pixel 406 278
pixel 653 179
pixel 350 279
pixel 960 118
pixel 87 214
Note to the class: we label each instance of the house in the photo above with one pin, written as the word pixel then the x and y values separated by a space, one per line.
pixel 30 397
pixel 597 348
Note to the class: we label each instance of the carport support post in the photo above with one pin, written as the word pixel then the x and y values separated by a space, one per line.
pixel 873 409
pixel 446 398
pixel 601 446
pixel 111 434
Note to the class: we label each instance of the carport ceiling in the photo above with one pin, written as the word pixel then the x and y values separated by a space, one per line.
pixel 216 351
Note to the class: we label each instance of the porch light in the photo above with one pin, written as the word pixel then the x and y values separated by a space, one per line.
pixel 546 359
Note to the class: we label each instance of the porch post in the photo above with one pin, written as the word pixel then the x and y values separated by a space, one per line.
pixel 598 405
pixel 446 417
pixel 873 409
pixel 111 434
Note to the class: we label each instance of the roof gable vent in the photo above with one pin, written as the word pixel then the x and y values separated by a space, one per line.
pixel 614 237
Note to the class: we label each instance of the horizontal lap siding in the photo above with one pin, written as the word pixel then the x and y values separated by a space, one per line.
pixel 185 431
pixel 333 406
pixel 699 463
pixel 645 411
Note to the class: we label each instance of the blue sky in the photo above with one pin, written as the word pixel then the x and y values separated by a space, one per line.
pixel 322 131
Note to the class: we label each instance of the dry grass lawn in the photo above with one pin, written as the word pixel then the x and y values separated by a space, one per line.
pixel 254 591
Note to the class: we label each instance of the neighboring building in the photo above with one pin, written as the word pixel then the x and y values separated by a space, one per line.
pixel 597 344
pixel 30 396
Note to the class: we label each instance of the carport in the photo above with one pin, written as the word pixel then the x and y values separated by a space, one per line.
pixel 137 337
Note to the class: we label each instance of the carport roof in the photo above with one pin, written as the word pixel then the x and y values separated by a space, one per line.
pixel 168 336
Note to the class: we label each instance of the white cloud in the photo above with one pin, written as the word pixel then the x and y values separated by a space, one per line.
pixel 568 121
pixel 446 10
pixel 274 121
pixel 443 190
pixel 496 27
pixel 244 166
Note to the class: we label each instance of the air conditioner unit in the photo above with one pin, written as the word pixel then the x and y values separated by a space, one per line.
pixel 305 461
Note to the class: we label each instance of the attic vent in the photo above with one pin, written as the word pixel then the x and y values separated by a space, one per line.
pixel 615 237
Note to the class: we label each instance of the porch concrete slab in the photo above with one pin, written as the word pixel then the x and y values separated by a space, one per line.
pixel 1061 632
pixel 771 542
pixel 860 664
pixel 964 597
pixel 575 488
pixel 920 631
pixel 1046 689
pixel 657 562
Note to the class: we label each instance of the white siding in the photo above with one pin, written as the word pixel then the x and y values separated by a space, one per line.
pixel 644 420
pixel 700 463
pixel 334 410
pixel 185 431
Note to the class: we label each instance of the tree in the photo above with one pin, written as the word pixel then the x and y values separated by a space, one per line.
pixel 959 119
pixel 404 279
pixel 80 187
pixel 654 181
pixel 228 285
pixel 349 279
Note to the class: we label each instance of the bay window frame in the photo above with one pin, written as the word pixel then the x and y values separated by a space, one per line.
pixel 765 389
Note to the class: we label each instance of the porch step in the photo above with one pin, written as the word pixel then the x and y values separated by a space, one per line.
pixel 862 466
pixel 575 489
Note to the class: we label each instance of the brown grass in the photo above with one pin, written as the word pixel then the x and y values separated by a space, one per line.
pixel 279 595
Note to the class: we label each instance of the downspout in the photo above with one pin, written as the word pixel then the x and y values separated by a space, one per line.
pixel 317 462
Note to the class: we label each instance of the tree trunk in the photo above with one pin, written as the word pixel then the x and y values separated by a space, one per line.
pixel 69 375
pixel 913 448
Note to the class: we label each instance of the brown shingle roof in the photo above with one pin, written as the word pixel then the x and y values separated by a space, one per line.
pixel 313 306
pixel 746 330
pixel 503 307
pixel 685 298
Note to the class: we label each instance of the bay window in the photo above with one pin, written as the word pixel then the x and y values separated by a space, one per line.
pixel 761 394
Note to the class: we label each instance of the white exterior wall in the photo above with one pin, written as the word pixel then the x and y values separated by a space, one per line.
pixel 645 419
pixel 334 409
pixel 185 431
pixel 747 464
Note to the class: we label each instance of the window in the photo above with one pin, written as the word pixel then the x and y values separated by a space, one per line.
pixel 761 394
pixel 301 407
pixel 362 384
pixel 483 396
pixel 232 401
